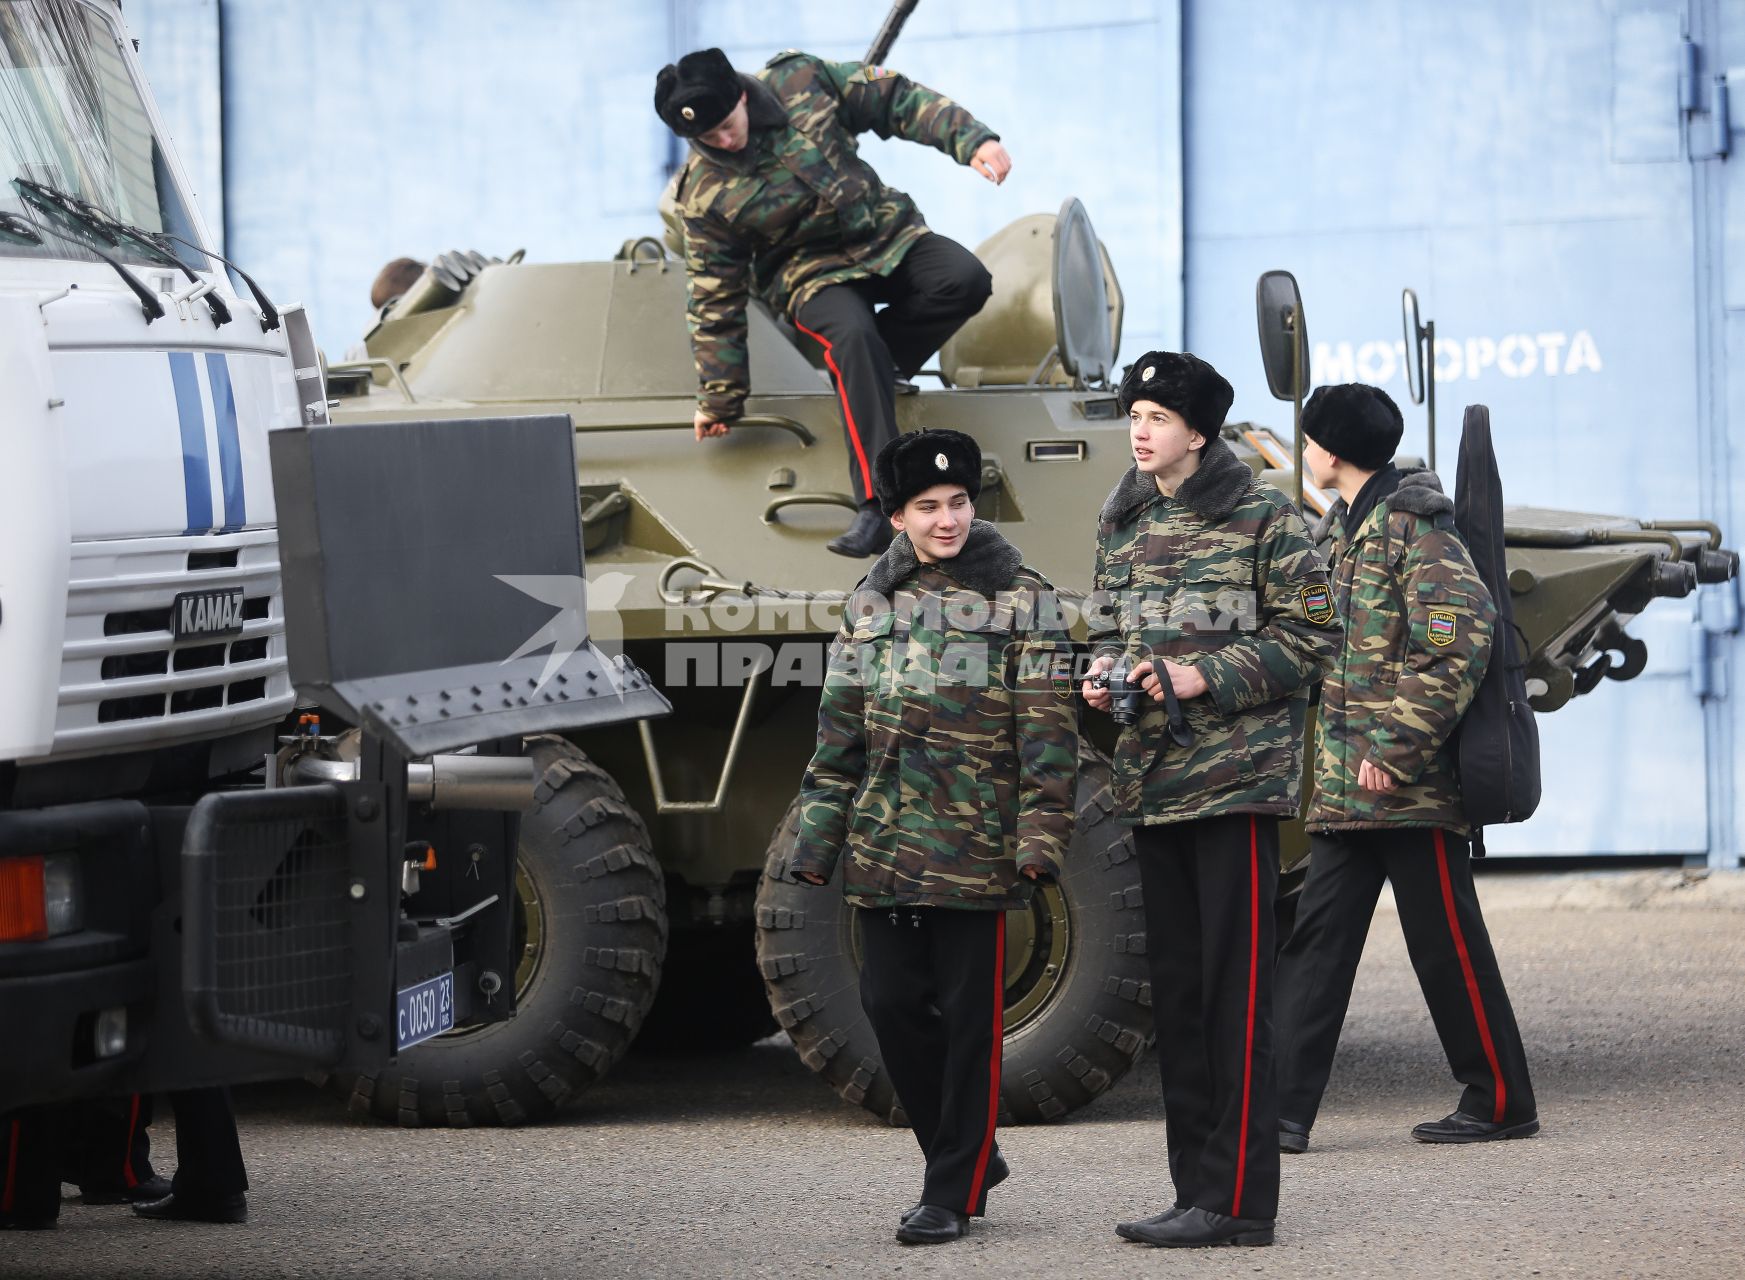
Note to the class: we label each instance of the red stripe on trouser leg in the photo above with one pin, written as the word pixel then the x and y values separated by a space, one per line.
pixel 127 1174
pixel 1484 1025
pixel 847 412
pixel 10 1191
pixel 1253 986
pixel 975 1183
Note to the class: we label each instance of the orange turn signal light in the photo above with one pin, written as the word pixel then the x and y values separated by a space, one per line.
pixel 23 911
pixel 429 858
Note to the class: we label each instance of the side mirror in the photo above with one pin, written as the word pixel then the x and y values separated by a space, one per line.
pixel 1414 345
pixel 1284 335
pixel 1284 351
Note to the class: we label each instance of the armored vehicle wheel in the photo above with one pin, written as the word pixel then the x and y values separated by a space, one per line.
pixel 591 920
pixel 1078 999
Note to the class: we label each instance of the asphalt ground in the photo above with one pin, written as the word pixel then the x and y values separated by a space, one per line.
pixel 1630 991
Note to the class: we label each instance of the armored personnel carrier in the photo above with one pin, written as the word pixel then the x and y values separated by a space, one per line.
pixel 642 868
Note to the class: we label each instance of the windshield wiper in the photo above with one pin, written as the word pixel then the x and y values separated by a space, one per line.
pixel 148 301
pixel 84 216
pixel 17 230
pixel 269 313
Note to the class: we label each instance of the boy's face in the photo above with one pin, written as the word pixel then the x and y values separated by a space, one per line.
pixel 1161 438
pixel 731 134
pixel 937 521
pixel 1319 464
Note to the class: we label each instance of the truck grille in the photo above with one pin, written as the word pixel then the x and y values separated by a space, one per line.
pixel 266 921
pixel 126 682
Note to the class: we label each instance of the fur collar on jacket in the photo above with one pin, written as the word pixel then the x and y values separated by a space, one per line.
pixel 985 565
pixel 1212 492
pixel 1419 492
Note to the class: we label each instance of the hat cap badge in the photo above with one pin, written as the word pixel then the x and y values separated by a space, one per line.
pixel 940 462
pixel 1147 373
pixel 688 113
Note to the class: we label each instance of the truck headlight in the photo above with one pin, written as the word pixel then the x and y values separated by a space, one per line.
pixel 39 897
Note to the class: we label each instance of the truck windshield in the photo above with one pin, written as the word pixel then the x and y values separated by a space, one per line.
pixel 71 118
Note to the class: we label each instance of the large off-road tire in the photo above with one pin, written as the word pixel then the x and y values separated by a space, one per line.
pixel 1078 995
pixel 592 919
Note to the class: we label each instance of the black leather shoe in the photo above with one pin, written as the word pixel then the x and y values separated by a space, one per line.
pixel 1132 1230
pixel 931 1224
pixel 1195 1228
pixel 998 1172
pixel 153 1188
pixel 1457 1126
pixel 869 535
pixel 1293 1137
pixel 185 1208
pixel 906 388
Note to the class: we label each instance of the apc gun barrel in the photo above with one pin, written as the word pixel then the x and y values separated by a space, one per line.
pixel 880 48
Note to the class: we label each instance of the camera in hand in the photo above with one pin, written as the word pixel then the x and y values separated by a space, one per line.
pixel 1124 695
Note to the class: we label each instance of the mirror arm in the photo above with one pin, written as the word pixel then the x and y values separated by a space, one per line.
pixel 1294 320
pixel 1430 384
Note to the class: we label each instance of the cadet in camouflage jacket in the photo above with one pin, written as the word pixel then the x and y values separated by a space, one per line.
pixel 947 754
pixel 1419 623
pixel 798 209
pixel 1387 807
pixel 1222 576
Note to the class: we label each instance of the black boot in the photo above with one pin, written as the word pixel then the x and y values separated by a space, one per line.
pixel 931 1224
pixel 869 535
pixel 998 1172
pixel 1135 1231
pixel 1293 1137
pixel 1196 1228
pixel 1457 1127
pixel 181 1207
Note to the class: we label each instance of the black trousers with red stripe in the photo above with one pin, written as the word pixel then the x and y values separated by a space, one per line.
pixel 1431 873
pixel 106 1143
pixel 936 287
pixel 932 982
pixel 41 1146
pixel 1209 887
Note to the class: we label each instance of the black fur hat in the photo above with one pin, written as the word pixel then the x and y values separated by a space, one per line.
pixel 914 463
pixel 1356 422
pixel 1182 383
pixel 697 94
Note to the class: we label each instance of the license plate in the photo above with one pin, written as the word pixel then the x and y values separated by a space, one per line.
pixel 425 1010
pixel 207 613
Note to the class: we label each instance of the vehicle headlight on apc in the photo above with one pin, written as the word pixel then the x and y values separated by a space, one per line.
pixel 39 897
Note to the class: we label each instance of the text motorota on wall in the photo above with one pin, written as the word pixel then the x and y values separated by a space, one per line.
pixel 1551 354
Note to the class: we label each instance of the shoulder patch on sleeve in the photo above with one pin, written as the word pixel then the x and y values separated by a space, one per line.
pixel 1317 603
pixel 1444 626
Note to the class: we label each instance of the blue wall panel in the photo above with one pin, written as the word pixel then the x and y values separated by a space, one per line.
pixel 1510 162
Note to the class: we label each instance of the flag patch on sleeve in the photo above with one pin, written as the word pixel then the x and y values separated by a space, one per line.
pixel 1317 604
pixel 1442 627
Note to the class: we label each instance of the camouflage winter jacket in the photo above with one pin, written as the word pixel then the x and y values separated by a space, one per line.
pixel 1418 623
pixel 798 209
pixel 1222 576
pixel 947 749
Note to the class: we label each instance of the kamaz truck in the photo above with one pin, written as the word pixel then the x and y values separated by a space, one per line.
pixel 204 878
